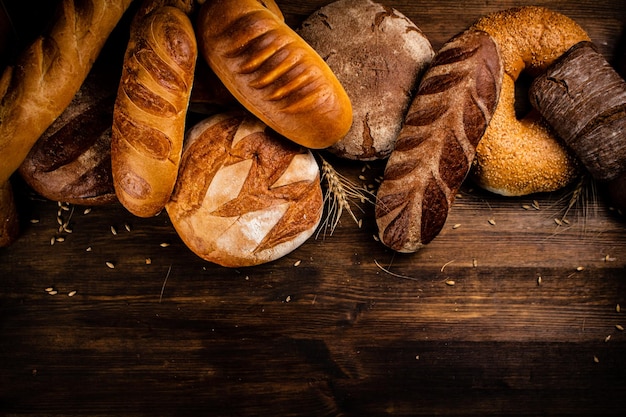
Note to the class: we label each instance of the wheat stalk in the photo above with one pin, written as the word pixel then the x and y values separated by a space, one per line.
pixel 341 194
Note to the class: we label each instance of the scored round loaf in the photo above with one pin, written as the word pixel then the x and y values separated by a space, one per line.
pixel 244 195
pixel 378 55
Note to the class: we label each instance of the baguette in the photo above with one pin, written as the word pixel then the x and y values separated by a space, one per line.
pixel 35 91
pixel 435 148
pixel 150 109
pixel 273 72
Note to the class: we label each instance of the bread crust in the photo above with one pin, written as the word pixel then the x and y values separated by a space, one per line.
pixel 49 73
pixel 378 55
pixel 520 157
pixel 447 118
pixel 245 196
pixel 150 109
pixel 273 72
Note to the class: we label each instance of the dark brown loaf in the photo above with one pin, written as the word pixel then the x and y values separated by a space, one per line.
pixel 434 151
pixel 273 72
pixel 584 100
pixel 378 55
pixel 9 220
pixel 150 109
pixel 245 195
pixel 71 161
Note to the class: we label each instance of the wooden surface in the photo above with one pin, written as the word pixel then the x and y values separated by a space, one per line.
pixel 341 326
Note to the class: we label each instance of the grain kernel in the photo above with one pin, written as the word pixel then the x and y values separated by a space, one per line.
pixel 110 264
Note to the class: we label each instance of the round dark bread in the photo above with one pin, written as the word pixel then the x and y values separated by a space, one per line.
pixel 378 55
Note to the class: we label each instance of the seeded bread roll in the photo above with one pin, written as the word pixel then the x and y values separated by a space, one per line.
pixel 378 55
pixel 245 195
pixel 273 72
pixel 150 109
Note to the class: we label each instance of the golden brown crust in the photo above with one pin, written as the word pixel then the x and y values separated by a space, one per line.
pixel 49 73
pixel 245 195
pixel 273 72
pixel 518 157
pixel 150 109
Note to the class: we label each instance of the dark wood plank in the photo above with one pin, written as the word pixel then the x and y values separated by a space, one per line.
pixel 354 329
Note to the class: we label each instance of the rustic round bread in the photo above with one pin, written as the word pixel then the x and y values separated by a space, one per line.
pixel 378 55
pixel 244 195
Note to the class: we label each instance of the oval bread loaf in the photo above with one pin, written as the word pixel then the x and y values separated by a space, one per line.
pixel 378 55
pixel 273 72
pixel 245 195
pixel 150 109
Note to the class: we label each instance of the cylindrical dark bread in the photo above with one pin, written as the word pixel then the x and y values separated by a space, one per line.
pixel 150 109
pixel 378 55
pixel 245 195
pixel 584 100
pixel 273 72
pixel 434 151
pixel 9 219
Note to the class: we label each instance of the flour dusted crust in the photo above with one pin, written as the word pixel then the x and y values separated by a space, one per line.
pixel 378 55
pixel 244 195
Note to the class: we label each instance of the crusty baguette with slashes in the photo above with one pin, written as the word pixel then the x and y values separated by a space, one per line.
pixel 273 72
pixel 435 148
pixel 47 75
pixel 150 109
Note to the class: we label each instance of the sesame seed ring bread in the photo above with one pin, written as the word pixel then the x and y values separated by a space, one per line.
pixel 523 156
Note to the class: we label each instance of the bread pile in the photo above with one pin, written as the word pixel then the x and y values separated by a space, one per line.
pixel 238 179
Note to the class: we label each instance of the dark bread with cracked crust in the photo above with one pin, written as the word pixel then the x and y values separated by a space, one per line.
pixel 434 151
pixel 378 55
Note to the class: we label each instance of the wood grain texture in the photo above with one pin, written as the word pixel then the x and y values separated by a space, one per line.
pixel 337 334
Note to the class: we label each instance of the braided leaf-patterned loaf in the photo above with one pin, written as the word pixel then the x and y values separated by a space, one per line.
pixel 244 195
pixel 435 148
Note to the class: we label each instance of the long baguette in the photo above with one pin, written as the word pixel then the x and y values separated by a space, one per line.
pixel 35 91
pixel 150 108
pixel 434 151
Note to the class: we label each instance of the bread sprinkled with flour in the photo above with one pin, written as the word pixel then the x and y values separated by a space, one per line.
pixel 378 55
pixel 245 195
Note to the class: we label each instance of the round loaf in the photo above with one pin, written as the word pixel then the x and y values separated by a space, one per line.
pixel 378 55
pixel 244 195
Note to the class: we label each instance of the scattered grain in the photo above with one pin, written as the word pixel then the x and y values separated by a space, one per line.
pixel 87 210
pixel 49 289
pixel 34 221
pixel 127 227
pixel 376 238
pixel 53 292
pixel 297 263
pixel 619 327
pixel 164 245
pixel 618 308
pixel 88 249
pixel 491 222
pixel 52 240
pixel 474 262
pixel 450 282
pixel 526 207
pixel 109 264
pixel 71 293
pixel 456 226
pixel 606 339
pixel 148 261
pixel 558 222
pixel 535 205
pixel 596 359
pixel 580 268
pixel 539 280
pixel 60 239
pixel 60 220
pixel 113 230
pixel 288 299
pixel 565 221
pixel 362 177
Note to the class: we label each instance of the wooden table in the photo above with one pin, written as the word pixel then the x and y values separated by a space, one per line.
pixel 518 317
